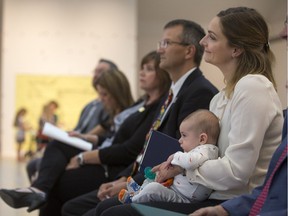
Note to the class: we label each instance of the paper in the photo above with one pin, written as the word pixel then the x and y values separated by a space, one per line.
pixel 60 135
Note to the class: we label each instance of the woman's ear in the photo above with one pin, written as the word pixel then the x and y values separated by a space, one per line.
pixel 237 51
pixel 203 138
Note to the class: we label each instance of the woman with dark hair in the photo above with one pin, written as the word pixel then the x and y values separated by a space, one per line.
pixel 80 172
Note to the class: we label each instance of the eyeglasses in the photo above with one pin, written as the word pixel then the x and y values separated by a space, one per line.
pixel 165 43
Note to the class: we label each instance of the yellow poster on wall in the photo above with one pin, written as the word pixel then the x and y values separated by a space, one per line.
pixel 71 93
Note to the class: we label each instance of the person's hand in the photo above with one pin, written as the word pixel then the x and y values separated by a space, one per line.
pixel 210 211
pixel 162 166
pixel 165 171
pixel 156 169
pixel 165 165
pixel 111 189
pixel 73 164
pixel 88 137
pixel 75 134
pixel 170 158
pixel 103 190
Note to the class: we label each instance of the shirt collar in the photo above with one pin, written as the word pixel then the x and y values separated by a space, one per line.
pixel 176 86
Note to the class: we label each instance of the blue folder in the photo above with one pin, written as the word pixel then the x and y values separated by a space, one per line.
pixel 159 147
pixel 152 211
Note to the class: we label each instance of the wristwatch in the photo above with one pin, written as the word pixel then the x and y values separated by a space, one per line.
pixel 80 159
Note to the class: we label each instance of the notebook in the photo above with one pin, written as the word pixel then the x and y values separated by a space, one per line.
pixel 159 147
pixel 149 211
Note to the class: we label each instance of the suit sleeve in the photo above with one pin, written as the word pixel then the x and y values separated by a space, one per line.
pixel 241 205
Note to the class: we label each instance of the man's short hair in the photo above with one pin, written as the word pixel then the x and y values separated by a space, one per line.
pixel 112 64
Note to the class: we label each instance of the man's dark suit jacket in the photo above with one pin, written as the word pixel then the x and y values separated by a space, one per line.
pixel 276 201
pixel 195 93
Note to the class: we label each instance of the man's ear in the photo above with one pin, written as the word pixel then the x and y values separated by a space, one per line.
pixel 237 52
pixel 203 138
pixel 190 51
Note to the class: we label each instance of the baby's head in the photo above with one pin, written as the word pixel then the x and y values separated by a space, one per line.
pixel 198 128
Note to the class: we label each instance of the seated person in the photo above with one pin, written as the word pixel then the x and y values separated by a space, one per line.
pixel 111 85
pixel 249 110
pixel 199 133
pixel 275 200
pixel 85 171
pixel 191 91
pixel 267 199
pixel 91 115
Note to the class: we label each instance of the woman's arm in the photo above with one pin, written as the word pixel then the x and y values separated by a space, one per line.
pixel 251 114
pixel 91 157
pixel 165 171
pixel 97 130
pixel 88 157
pixel 130 138
pixel 94 139
pixel 110 189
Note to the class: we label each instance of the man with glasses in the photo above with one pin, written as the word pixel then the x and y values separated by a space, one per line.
pixel 180 54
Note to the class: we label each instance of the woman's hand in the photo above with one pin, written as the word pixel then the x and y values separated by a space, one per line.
pixel 165 171
pixel 210 211
pixel 75 134
pixel 88 137
pixel 104 190
pixel 73 164
pixel 111 189
pixel 170 158
pixel 165 165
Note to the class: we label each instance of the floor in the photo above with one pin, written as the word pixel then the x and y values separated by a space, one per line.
pixel 13 175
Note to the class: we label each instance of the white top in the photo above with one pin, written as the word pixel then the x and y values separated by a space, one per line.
pixel 196 157
pixel 190 161
pixel 251 125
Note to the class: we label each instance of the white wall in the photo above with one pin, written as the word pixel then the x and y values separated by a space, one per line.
pixel 59 37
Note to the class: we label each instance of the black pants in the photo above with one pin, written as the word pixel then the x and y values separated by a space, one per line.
pixel 81 205
pixel 55 159
pixel 33 167
pixel 112 207
pixel 72 184
pixel 62 185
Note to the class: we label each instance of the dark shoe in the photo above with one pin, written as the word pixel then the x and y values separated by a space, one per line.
pixel 19 199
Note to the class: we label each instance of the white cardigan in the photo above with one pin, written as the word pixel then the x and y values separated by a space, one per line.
pixel 251 124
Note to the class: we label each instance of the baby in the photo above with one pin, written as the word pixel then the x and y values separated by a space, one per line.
pixel 199 134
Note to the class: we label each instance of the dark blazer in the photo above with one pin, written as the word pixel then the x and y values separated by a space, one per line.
pixel 195 93
pixel 129 140
pixel 276 202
